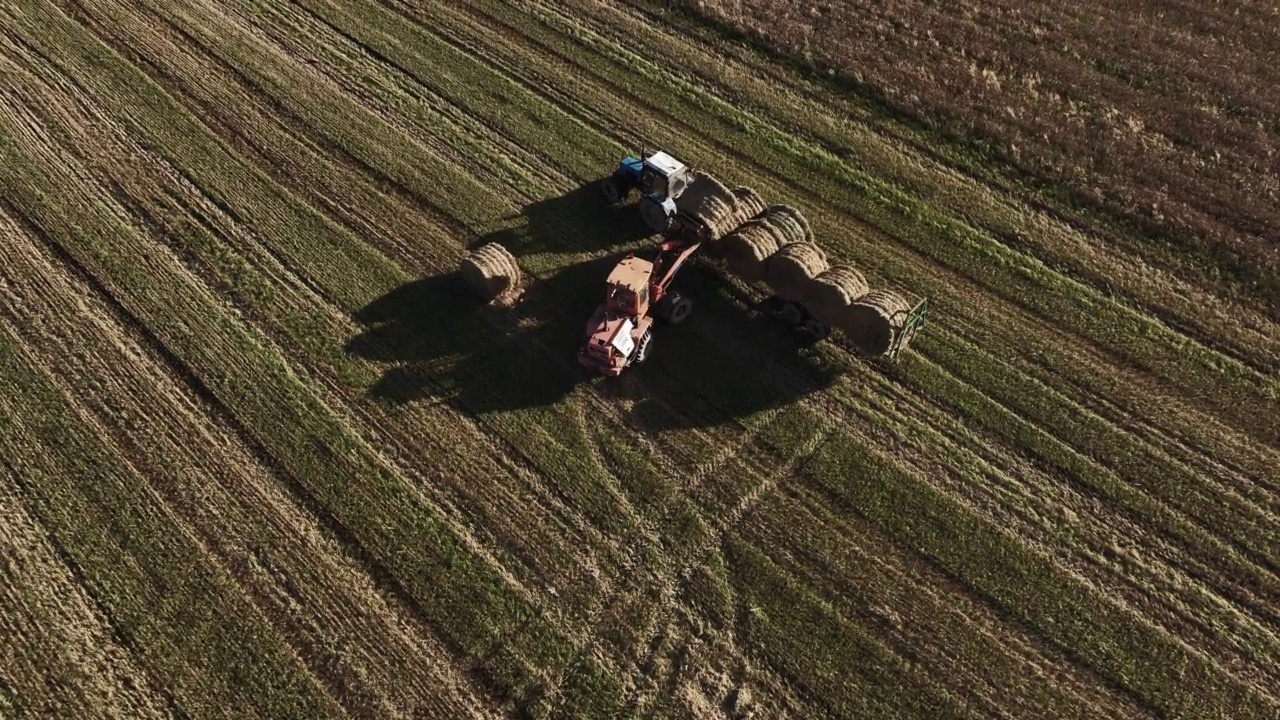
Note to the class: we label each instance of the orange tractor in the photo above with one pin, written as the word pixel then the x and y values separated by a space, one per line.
pixel 620 332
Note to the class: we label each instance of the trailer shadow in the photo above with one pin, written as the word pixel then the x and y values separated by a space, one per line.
pixel 725 363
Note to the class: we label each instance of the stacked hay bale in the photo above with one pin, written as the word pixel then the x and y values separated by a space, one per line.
pixel 874 321
pixel 706 198
pixel 829 295
pixel 791 270
pixel 746 249
pixel 719 208
pixel 491 271
pixel 791 223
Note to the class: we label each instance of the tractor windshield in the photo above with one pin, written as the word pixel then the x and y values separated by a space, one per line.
pixel 622 298
pixel 653 182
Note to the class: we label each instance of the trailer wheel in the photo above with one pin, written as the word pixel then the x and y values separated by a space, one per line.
pixel 815 330
pixel 611 190
pixel 792 313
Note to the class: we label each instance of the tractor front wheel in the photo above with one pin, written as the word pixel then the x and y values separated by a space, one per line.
pixel 611 190
pixel 674 308
pixel 643 348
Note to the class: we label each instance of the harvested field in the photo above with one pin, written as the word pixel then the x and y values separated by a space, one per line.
pixel 265 453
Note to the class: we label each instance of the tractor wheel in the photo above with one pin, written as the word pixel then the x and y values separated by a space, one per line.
pixel 643 348
pixel 611 190
pixel 656 215
pixel 674 308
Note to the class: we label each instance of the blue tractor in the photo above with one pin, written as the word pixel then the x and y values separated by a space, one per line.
pixel 661 180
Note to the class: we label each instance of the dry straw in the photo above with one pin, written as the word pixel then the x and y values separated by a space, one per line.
pixel 874 321
pixel 790 270
pixel 830 294
pixel 491 271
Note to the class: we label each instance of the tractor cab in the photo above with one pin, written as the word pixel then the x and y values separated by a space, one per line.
pixel 661 180
pixel 663 177
pixel 628 287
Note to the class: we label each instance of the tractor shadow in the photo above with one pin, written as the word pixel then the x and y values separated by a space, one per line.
pixel 576 222
pixel 439 341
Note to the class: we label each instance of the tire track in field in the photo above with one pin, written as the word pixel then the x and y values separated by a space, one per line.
pixel 248 518
pixel 455 630
pixel 927 618
pixel 338 332
pixel 806 111
pixel 58 650
pixel 1034 512
pixel 874 250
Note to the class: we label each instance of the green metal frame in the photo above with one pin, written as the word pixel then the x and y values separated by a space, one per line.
pixel 910 326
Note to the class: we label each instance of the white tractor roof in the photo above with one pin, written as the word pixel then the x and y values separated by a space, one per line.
pixel 664 163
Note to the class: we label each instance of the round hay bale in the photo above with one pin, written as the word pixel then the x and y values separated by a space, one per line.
pixel 748 203
pixel 491 271
pixel 789 270
pixel 702 187
pixel 746 250
pixel 873 322
pixel 791 222
pixel 832 291
pixel 719 216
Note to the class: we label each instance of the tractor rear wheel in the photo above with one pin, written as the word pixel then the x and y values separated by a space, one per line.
pixel 611 190
pixel 674 308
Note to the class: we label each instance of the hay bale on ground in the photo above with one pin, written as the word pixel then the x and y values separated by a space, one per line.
pixel 746 249
pixel 725 215
pixel 790 270
pixel 829 295
pixel 491 271
pixel 873 322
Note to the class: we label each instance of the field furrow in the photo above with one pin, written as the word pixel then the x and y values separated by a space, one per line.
pixel 263 452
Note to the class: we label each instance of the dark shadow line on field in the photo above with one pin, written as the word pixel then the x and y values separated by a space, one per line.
pixel 576 222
